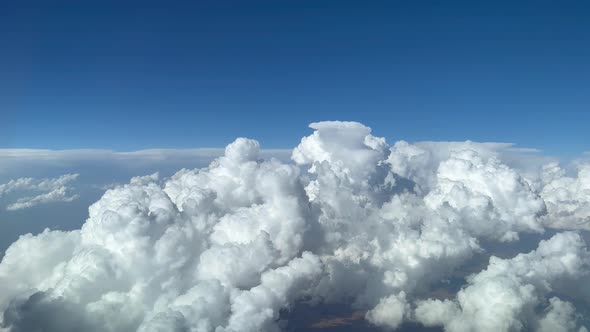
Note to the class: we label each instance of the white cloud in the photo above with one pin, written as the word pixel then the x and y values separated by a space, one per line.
pixel 505 295
pixel 493 198
pixel 57 195
pixel 567 198
pixel 228 246
pixel 13 159
pixel 560 317
pixel 36 184
pixel 52 190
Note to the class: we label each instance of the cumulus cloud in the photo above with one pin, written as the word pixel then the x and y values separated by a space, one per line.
pixel 52 190
pixel 560 317
pixel 505 296
pixel 567 198
pixel 351 220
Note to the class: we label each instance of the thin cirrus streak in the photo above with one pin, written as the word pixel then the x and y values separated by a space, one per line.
pixel 351 220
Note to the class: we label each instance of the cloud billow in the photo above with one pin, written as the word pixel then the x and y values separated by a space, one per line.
pixel 351 220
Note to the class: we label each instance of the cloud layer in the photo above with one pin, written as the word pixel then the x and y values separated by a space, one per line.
pixel 351 220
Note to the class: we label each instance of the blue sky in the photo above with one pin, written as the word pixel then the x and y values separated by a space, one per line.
pixel 133 75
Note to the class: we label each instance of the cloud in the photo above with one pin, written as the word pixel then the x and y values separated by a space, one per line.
pixel 14 160
pixel 351 220
pixel 37 184
pixel 567 198
pixel 53 190
pixel 560 317
pixel 504 297
pixel 56 195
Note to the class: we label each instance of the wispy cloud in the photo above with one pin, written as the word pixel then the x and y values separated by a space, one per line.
pixel 46 191
pixel 147 154
pixel 58 195
pixel 17 163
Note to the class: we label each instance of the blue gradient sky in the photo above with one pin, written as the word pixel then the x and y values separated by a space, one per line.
pixel 130 75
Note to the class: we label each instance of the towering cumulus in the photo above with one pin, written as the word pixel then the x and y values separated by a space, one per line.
pixel 351 220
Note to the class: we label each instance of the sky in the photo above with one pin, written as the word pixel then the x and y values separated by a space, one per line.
pixel 248 166
pixel 135 75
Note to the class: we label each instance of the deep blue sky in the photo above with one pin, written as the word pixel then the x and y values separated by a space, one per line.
pixel 129 75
